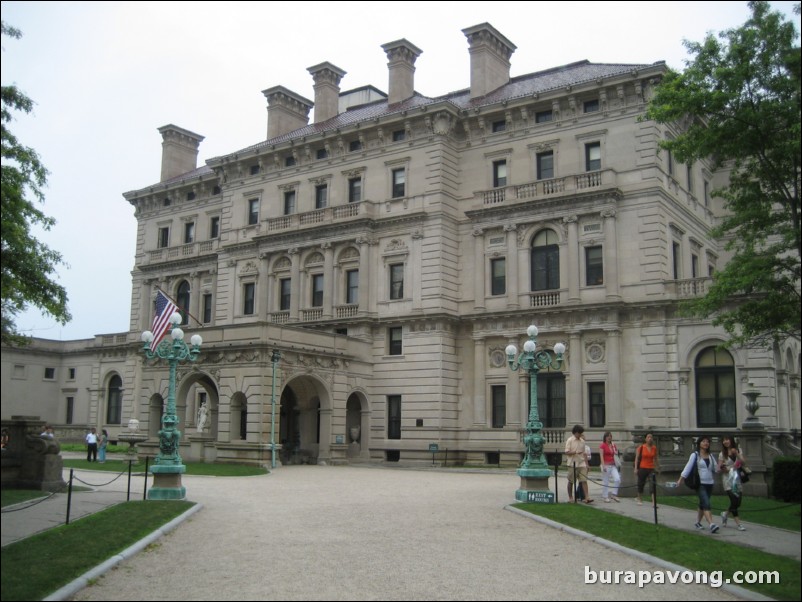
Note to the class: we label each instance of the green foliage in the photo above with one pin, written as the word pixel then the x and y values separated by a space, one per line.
pixel 738 104
pixel 193 468
pixel 28 266
pixel 787 479
pixel 39 565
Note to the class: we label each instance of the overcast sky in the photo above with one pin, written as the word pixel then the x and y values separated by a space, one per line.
pixel 105 75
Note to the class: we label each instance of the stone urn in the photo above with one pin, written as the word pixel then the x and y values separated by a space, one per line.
pixel 354 432
pixel 132 436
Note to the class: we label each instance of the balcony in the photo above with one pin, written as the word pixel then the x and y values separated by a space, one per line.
pixel 578 183
pixel 692 287
pixel 328 215
pixel 194 249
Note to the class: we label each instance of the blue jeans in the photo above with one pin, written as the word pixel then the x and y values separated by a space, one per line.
pixel 705 491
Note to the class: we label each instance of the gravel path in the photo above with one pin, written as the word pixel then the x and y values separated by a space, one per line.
pixel 354 533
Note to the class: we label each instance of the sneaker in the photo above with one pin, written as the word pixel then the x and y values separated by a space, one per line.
pixel 606 500
pixel 714 528
pixel 741 528
pixel 699 526
pixel 724 519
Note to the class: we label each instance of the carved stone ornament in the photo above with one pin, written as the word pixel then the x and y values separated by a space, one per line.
pixel 594 351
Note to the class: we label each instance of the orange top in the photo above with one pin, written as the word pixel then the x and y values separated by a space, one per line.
pixel 647 456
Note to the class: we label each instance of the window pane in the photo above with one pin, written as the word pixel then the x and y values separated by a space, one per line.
pixel 545 165
pixel 499 395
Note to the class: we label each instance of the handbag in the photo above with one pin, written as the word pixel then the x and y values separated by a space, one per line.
pixel 743 474
pixel 617 459
pixel 692 480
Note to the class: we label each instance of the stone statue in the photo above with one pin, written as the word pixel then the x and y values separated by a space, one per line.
pixel 203 416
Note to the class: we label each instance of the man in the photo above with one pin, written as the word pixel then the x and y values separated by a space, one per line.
pixel 577 462
pixel 48 433
pixel 91 445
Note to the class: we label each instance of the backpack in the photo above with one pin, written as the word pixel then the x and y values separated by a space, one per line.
pixel 692 480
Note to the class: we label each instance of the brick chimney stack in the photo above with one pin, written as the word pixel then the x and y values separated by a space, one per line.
pixel 401 56
pixel 327 90
pixel 179 151
pixel 286 111
pixel 490 58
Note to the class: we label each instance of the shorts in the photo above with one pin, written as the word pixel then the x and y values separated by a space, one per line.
pixel 581 473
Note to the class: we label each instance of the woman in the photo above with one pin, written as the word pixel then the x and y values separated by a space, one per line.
pixel 609 454
pixel 729 461
pixel 104 441
pixel 646 463
pixel 703 461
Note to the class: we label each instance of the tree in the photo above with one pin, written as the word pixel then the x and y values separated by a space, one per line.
pixel 739 98
pixel 28 266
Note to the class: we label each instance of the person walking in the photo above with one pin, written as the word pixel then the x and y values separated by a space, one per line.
pixel 577 462
pixel 730 461
pixel 702 461
pixel 102 445
pixel 91 445
pixel 610 463
pixel 646 463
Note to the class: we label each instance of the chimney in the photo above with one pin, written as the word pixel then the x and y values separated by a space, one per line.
pixel 327 90
pixel 401 56
pixel 286 111
pixel 490 58
pixel 179 151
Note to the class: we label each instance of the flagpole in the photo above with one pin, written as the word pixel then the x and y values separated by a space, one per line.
pixel 180 308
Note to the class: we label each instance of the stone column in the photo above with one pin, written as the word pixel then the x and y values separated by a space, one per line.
pixel 479 363
pixel 328 279
pixel 295 284
pixel 365 281
pixel 513 283
pixel 479 276
pixel 324 450
pixel 610 256
pixel 573 385
pixel 415 266
pixel 572 263
pixel 615 405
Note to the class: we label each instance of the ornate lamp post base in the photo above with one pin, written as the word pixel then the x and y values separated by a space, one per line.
pixel 167 483
pixel 534 486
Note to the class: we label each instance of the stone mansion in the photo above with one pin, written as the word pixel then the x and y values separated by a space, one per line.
pixel 390 250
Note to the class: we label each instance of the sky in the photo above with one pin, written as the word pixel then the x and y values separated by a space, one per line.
pixel 106 75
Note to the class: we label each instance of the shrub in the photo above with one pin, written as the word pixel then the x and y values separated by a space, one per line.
pixel 787 478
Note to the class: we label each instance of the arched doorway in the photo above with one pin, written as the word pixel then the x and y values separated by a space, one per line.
pixel 304 421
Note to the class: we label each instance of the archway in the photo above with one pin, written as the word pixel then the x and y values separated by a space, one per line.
pixel 304 421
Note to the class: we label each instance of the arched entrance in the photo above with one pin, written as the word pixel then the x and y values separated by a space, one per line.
pixel 304 421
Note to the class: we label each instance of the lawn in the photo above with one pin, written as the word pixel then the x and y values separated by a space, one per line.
pixel 763 511
pixel 9 497
pixel 39 565
pixel 690 550
pixel 193 468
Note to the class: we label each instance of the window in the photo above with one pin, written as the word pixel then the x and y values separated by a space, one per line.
pixel 217 190
pixel 352 286
pixel 670 162
pixel 189 232
pixel 289 161
pixel 214 227
pixel 591 106
pixel 551 399
pixel 498 276
pixel 321 196
pixel 675 259
pixel 399 135
pixel 114 404
pixel 499 173
pixel 164 237
pixel 545 165
pixel 596 404
pixel 354 145
pixel 354 190
pixel 207 308
pixel 50 373
pixel 694 266
pixel 498 394
pixel 190 196
pixel 715 389
pixel 543 116
pixel 594 266
pixel 689 177
pixel 393 416
pixel 707 193
pixel 593 156
pixel 248 292
pixel 71 373
pixel 317 290
pixel 394 341
pixel 253 212
pixel 254 169
pixel 321 153
pixel 284 294
pixel 499 126
pixel 545 262
pixel 70 410
pixel 182 300
pixel 289 202
pixel 397 281
pixel 399 179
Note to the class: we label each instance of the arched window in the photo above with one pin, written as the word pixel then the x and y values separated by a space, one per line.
pixel 182 300
pixel 114 400
pixel 715 389
pixel 545 261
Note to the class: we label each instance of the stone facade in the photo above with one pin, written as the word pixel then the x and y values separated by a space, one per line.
pixel 392 251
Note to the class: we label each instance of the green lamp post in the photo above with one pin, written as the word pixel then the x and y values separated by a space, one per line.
pixel 534 471
pixel 168 466
pixel 275 357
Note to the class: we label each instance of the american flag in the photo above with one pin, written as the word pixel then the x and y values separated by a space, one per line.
pixel 161 319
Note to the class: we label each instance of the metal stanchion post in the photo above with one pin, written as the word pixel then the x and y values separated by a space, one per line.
pixel 128 493
pixel 145 490
pixel 654 495
pixel 69 496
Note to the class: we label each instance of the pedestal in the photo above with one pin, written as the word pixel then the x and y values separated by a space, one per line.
pixel 167 483
pixel 534 486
